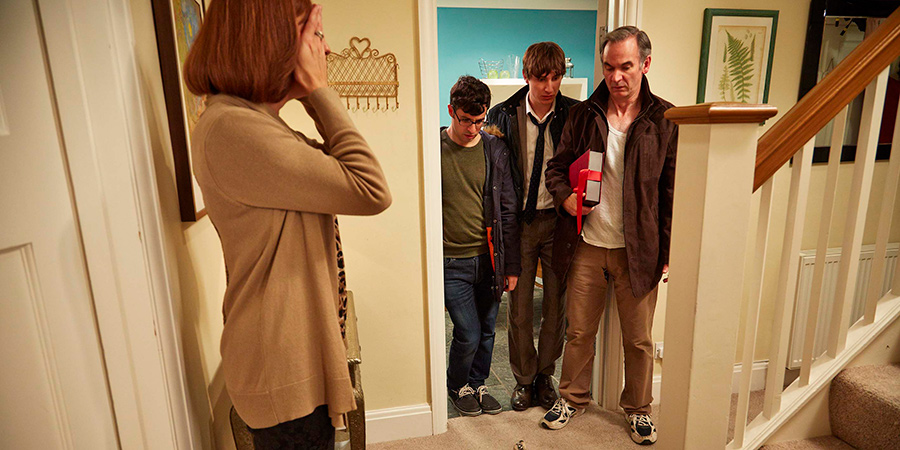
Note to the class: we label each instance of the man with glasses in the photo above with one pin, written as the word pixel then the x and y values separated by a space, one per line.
pixel 531 122
pixel 481 242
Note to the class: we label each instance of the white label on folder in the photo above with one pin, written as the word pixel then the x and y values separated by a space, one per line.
pixel 592 190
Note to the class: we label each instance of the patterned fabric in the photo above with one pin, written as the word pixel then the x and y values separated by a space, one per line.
pixel 342 282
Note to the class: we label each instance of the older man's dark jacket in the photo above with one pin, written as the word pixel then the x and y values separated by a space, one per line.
pixel 510 116
pixel 648 183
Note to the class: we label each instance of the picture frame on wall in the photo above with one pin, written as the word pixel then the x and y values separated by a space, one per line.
pixel 736 55
pixel 177 24
pixel 829 23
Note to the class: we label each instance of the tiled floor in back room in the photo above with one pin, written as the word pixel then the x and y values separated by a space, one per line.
pixel 501 382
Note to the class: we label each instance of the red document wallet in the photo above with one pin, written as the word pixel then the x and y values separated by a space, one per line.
pixel 584 178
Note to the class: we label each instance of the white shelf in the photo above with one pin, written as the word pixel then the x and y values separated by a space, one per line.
pixel 503 88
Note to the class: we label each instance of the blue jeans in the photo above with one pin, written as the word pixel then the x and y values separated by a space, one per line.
pixel 473 311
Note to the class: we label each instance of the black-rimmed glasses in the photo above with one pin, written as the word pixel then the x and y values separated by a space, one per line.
pixel 469 122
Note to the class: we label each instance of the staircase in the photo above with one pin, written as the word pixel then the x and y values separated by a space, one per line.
pixel 864 411
pixel 725 200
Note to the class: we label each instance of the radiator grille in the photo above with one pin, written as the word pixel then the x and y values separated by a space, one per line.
pixel 804 289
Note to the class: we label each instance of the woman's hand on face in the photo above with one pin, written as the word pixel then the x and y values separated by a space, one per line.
pixel 311 73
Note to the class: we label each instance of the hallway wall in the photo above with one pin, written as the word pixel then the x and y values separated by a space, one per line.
pixel 385 253
pixel 467 34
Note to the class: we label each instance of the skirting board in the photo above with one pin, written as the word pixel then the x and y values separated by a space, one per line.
pixel 757 380
pixel 391 424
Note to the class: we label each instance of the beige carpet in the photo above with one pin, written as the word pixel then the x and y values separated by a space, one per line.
pixel 595 428
pixel 864 406
pixel 756 406
pixel 819 443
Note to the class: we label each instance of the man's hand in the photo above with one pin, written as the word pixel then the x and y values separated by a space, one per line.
pixel 571 205
pixel 511 282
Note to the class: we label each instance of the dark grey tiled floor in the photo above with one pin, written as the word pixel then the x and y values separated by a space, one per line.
pixel 501 382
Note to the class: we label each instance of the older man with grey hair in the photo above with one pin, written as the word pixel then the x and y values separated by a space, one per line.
pixel 625 239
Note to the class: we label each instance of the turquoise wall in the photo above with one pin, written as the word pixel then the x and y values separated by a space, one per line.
pixel 466 35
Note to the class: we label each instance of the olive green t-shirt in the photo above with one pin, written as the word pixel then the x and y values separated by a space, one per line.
pixel 462 181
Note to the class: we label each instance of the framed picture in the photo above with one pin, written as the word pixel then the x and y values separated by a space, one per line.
pixel 834 28
pixel 736 55
pixel 177 24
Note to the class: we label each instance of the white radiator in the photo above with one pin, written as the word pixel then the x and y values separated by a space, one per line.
pixel 804 288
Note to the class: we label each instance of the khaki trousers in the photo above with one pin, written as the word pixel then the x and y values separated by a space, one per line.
pixel 525 361
pixel 586 294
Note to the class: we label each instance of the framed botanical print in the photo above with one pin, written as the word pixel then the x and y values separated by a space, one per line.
pixel 736 55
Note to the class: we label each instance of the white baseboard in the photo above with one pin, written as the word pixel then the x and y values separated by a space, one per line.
pixel 391 424
pixel 757 380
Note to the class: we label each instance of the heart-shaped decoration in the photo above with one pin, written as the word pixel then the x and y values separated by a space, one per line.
pixel 361 47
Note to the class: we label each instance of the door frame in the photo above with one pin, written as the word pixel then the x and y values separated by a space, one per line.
pixel 610 14
pixel 103 129
pixel 431 180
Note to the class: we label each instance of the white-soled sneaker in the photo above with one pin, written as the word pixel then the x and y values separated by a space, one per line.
pixel 559 415
pixel 464 401
pixel 489 404
pixel 643 431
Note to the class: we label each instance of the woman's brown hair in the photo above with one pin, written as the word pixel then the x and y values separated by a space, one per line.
pixel 246 48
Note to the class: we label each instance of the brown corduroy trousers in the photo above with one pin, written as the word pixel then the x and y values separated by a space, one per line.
pixel 586 292
pixel 526 361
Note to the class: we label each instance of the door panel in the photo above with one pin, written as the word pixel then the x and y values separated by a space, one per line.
pixel 53 388
pixel 29 378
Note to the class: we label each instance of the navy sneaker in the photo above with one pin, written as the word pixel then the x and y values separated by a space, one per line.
pixel 643 431
pixel 489 404
pixel 464 401
pixel 559 415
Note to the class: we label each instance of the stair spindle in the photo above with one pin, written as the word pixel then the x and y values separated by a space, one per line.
pixel 752 311
pixel 857 207
pixel 815 297
pixel 787 278
pixel 885 217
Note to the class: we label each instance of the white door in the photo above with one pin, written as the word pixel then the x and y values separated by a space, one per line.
pixel 53 388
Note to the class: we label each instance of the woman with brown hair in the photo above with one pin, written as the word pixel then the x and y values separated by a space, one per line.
pixel 272 194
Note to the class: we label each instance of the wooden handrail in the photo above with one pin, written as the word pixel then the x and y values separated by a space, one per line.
pixel 720 112
pixel 826 99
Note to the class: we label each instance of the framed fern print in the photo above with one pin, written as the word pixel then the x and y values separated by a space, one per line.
pixel 736 55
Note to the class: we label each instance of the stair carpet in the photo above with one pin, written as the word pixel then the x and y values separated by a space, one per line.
pixel 864 411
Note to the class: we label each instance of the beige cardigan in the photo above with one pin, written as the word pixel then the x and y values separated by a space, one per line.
pixel 271 194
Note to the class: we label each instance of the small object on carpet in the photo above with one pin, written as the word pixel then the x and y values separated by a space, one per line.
pixel 520 445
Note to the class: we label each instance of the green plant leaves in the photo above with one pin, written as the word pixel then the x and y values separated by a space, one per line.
pixel 726 91
pixel 739 64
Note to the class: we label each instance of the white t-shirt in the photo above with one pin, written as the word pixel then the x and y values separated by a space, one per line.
pixel 604 226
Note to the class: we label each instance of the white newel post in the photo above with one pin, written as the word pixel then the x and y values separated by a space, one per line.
pixel 713 188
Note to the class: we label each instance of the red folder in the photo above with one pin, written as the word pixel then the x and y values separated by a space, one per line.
pixel 584 178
